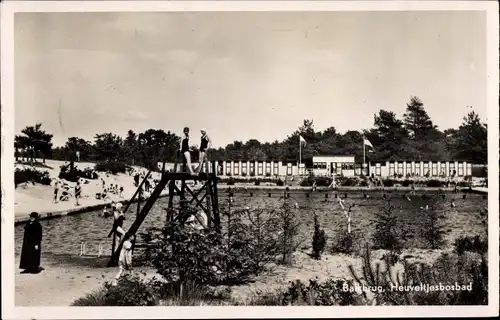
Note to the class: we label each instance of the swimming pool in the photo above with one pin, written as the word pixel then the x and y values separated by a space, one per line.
pixel 64 235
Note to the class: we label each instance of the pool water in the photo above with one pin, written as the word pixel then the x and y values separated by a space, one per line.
pixel 65 235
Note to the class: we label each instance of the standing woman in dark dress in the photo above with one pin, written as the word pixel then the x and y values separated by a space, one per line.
pixel 204 145
pixel 185 151
pixel 32 245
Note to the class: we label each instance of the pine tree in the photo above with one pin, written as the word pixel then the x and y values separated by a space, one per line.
pixel 319 239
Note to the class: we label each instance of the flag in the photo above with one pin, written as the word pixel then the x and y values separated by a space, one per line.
pixel 368 143
pixel 302 140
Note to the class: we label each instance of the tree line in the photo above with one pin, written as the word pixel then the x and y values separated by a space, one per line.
pixel 412 137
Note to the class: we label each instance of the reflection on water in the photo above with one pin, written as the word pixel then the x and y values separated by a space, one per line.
pixel 64 235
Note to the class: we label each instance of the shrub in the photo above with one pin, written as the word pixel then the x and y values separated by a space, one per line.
pixel 388 182
pixel 327 293
pixel 463 184
pixel 387 235
pixel 230 181
pixel 280 183
pixel 435 183
pixel 186 257
pixel 407 183
pixel 234 253
pixel 96 298
pixel 257 182
pixel 320 181
pixel 471 244
pixel 433 228
pixel 446 270
pixel 250 244
pixel 319 239
pixel 129 291
pixel 363 183
pixel 190 295
pixel 346 243
pixel 112 166
pixel 31 175
pixel 289 230
pixel 76 174
pixel 347 182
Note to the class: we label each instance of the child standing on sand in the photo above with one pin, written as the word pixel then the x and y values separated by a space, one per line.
pixel 125 260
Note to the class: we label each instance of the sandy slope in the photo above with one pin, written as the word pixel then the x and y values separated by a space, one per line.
pixel 39 197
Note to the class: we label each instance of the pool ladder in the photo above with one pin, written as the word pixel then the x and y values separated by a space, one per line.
pixel 83 249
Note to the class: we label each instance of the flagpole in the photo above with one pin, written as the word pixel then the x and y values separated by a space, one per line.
pixel 300 154
pixel 364 157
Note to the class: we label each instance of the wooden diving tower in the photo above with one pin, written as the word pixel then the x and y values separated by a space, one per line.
pixel 205 198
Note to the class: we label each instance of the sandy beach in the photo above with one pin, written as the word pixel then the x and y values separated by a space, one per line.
pixel 38 197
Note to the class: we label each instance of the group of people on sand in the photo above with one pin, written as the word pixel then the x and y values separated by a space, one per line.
pixel 63 191
pixel 111 189
pixel 205 144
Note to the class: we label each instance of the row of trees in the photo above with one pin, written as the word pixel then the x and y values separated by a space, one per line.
pixel 414 137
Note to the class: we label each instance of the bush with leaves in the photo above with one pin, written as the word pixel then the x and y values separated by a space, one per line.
pixel 280 183
pixel 447 270
pixel 236 252
pixel 388 234
pixel 435 183
pixel 130 291
pixel 31 175
pixel 74 174
pixel 319 239
pixel 112 166
pixel 320 181
pixel 388 182
pixel 471 244
pixel 186 257
pixel 189 295
pixel 315 293
pixel 346 243
pixel 407 183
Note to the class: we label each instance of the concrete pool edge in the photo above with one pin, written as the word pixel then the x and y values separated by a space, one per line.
pixel 319 189
pixel 58 214
pixel 69 212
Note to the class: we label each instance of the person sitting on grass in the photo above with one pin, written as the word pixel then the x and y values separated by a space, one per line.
pixel 185 151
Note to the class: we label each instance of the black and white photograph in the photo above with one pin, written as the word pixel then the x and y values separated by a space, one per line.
pixel 180 156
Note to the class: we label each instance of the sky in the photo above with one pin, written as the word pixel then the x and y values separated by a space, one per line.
pixel 243 75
